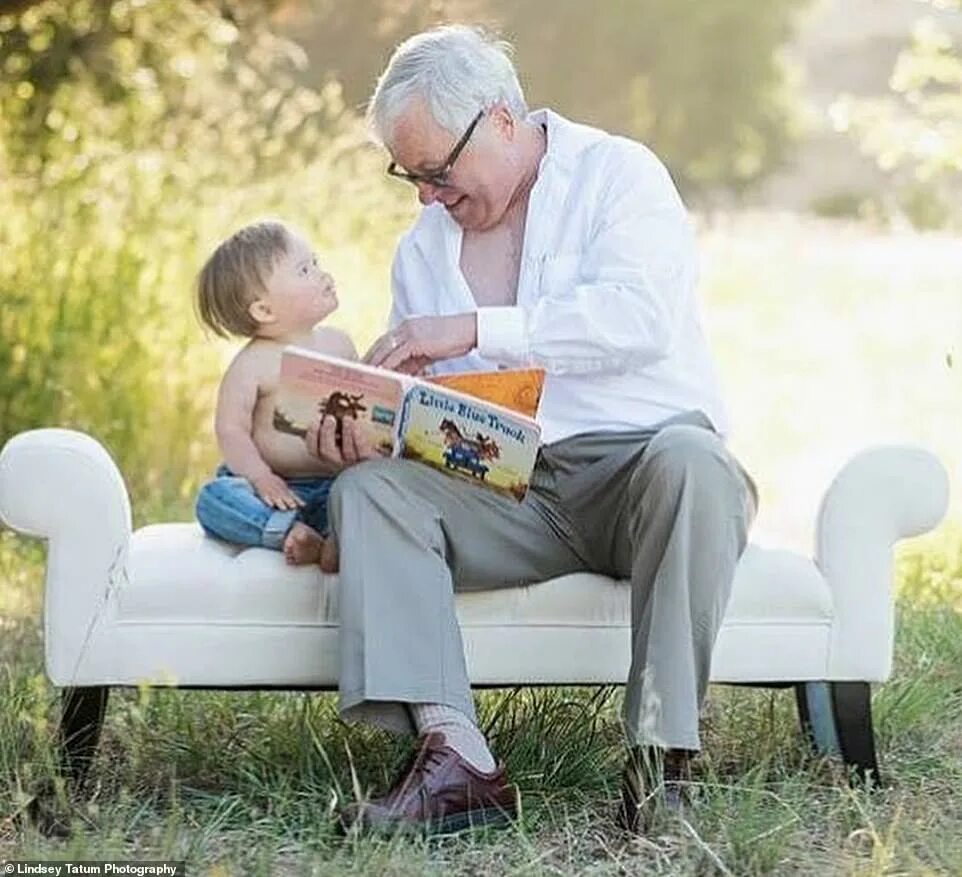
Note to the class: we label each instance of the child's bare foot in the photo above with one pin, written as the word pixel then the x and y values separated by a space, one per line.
pixel 330 556
pixel 302 545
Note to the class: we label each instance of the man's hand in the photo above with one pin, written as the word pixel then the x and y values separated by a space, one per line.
pixel 321 442
pixel 274 491
pixel 420 341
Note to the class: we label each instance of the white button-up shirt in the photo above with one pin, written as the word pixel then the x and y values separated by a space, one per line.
pixel 606 297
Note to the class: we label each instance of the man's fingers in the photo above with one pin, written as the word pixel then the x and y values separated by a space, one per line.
pixel 358 445
pixel 380 349
pixel 416 365
pixel 311 439
pixel 349 441
pixel 397 356
pixel 327 442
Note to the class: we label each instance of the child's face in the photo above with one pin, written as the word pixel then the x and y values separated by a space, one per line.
pixel 299 293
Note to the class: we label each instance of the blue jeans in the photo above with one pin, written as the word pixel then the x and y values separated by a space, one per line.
pixel 228 508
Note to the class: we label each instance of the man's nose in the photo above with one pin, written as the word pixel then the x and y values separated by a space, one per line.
pixel 427 193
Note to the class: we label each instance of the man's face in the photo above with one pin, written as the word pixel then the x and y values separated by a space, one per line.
pixel 478 186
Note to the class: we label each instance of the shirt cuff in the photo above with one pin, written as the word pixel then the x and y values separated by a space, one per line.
pixel 503 334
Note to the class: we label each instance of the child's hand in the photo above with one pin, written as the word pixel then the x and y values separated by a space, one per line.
pixel 274 491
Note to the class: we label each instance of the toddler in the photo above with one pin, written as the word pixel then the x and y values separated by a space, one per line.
pixel 264 283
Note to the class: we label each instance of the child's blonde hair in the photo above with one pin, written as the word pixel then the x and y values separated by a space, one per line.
pixel 236 274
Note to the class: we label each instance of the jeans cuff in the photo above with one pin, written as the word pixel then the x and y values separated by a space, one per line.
pixel 277 527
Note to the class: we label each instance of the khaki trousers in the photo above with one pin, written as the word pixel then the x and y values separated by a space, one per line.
pixel 667 508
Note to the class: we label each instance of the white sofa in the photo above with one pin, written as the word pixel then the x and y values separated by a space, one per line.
pixel 167 605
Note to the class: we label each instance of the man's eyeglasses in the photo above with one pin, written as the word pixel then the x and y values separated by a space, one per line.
pixel 438 177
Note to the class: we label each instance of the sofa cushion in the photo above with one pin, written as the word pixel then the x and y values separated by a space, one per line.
pixel 178 574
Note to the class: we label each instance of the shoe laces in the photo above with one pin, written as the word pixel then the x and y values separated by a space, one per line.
pixel 429 760
pixel 425 761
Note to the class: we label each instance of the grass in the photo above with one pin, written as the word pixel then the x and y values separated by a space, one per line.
pixel 248 783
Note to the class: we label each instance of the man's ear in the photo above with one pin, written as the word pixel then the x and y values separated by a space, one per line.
pixel 260 310
pixel 504 121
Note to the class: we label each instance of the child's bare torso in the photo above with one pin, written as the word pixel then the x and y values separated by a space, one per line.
pixel 285 454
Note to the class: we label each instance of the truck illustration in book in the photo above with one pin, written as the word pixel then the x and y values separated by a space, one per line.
pixel 465 453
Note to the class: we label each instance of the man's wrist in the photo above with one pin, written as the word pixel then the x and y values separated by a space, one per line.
pixel 469 332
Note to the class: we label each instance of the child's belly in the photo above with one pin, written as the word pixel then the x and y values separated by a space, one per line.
pixel 285 454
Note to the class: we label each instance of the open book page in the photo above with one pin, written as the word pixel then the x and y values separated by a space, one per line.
pixel 457 433
pixel 518 389
pixel 312 385
pixel 469 438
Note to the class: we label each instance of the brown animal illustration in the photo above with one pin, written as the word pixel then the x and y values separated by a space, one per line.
pixel 340 405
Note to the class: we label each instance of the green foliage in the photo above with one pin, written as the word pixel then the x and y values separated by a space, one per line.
pixel 916 132
pixel 134 136
pixel 839 205
pixel 704 84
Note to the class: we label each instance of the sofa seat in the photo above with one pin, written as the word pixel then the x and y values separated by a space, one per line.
pixel 188 601
pixel 178 574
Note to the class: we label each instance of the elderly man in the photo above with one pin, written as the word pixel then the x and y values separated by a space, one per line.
pixel 550 243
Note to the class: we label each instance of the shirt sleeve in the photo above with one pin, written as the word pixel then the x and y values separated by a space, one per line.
pixel 400 297
pixel 635 277
pixel 404 277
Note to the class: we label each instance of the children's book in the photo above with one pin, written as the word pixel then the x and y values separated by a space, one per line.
pixel 449 422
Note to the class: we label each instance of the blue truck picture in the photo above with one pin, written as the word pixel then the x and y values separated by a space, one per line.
pixel 466 458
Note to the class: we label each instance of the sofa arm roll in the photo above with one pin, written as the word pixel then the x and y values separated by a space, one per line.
pixel 62 486
pixel 880 496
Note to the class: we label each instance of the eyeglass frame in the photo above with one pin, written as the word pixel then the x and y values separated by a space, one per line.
pixel 439 177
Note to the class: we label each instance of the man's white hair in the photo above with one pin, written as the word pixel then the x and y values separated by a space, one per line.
pixel 457 70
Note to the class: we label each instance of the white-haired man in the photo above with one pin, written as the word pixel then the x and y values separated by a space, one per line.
pixel 541 242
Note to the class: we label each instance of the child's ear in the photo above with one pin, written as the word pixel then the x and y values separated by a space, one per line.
pixel 260 310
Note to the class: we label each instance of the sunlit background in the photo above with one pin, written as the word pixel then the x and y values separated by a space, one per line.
pixel 819 145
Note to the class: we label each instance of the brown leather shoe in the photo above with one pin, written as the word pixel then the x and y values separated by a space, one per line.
pixel 653 780
pixel 439 793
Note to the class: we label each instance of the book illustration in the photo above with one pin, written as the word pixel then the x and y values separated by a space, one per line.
pixel 312 386
pixel 441 426
pixel 340 405
pixel 518 389
pixel 469 439
pixel 467 454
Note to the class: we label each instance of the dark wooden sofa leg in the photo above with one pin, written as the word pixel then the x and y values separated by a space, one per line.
pixel 81 719
pixel 837 716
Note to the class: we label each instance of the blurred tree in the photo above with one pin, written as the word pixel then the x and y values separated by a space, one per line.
pixel 134 134
pixel 916 132
pixel 156 75
pixel 703 83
